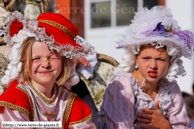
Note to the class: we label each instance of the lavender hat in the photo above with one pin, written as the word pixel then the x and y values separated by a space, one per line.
pixel 157 25
pixel 158 28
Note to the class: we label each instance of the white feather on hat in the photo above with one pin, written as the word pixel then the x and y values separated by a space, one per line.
pixel 158 28
pixel 145 21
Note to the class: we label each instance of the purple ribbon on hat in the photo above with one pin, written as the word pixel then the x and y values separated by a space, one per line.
pixel 159 31
pixel 186 35
pixel 160 27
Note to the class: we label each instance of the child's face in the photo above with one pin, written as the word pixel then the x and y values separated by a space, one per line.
pixel 153 63
pixel 46 65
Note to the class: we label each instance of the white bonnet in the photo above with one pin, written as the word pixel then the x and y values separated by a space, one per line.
pixel 158 28
pixel 141 30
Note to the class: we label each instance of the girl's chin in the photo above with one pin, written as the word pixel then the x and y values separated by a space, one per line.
pixel 152 80
pixel 45 82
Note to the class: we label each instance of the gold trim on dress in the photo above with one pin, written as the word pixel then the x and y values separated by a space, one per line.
pixel 80 121
pixel 49 101
pixel 69 107
pixel 12 106
pixel 61 27
pixel 31 116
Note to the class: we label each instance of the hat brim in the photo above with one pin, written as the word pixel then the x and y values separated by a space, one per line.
pixel 146 40
pixel 59 35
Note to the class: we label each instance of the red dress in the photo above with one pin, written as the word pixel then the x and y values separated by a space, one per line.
pixel 16 98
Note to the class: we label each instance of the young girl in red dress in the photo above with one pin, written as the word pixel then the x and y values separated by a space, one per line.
pixel 41 69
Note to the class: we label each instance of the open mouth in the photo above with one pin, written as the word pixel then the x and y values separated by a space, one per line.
pixel 152 73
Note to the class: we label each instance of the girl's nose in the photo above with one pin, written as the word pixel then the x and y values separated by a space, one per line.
pixel 153 64
pixel 45 63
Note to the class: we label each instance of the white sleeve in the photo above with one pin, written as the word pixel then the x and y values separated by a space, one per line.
pixel 12 115
pixel 84 125
pixel 87 72
pixel 8 114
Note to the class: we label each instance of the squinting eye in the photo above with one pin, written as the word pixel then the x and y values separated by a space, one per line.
pixel 161 60
pixel 35 59
pixel 146 58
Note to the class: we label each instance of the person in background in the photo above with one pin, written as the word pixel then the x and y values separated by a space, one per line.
pixel 189 102
pixel 1 3
pixel 31 8
pixel 41 69
pixel 143 92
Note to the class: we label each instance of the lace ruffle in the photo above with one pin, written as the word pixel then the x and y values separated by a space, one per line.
pixel 144 101
pixel 31 26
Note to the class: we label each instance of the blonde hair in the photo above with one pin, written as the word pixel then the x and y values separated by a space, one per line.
pixel 65 72
pixel 26 59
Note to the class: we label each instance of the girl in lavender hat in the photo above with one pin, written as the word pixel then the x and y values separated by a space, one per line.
pixel 143 92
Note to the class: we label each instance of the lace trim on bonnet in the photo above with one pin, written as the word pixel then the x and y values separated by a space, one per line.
pixel 178 43
pixel 31 29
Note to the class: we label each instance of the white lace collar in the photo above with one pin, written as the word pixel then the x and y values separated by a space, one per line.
pixel 164 95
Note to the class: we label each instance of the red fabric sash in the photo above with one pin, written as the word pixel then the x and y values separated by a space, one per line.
pixel 15 99
pixel 78 111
